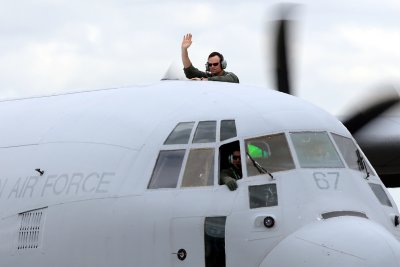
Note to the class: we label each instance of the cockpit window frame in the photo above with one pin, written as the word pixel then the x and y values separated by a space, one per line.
pixel 171 139
pixel 370 170
pixel 215 145
pixel 185 181
pixel 190 146
pixel 158 171
pixel 305 165
pixel 200 131
pixel 246 168
pixel 225 130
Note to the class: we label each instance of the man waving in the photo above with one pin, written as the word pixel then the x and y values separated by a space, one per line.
pixel 215 66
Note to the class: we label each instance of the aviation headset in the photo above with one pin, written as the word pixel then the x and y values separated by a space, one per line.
pixel 222 61
pixel 230 159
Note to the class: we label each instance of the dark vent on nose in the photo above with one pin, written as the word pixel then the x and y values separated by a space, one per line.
pixel 333 214
pixel 30 229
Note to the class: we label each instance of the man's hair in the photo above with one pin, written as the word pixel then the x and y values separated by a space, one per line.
pixel 221 57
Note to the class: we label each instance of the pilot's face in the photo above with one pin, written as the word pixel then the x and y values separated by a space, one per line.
pixel 215 65
pixel 236 159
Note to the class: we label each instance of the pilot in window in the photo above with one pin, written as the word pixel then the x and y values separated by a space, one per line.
pixel 233 171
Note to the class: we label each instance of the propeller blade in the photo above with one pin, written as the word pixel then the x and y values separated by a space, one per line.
pixel 281 58
pixel 363 117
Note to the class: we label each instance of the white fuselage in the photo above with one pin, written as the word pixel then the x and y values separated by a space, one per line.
pixel 97 151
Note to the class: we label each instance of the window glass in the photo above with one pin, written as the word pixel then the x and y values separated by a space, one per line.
pixel 228 129
pixel 348 149
pixel 230 163
pixel 349 152
pixel 205 132
pixel 166 171
pixel 214 241
pixel 271 152
pixel 380 194
pixel 315 150
pixel 263 196
pixel 199 168
pixel 181 134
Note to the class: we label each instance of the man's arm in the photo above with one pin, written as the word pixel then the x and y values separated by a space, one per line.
pixel 193 73
pixel 228 77
pixel 225 177
pixel 190 71
pixel 186 43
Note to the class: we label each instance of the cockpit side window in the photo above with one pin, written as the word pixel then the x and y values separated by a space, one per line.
pixel 380 194
pixel 205 132
pixel 230 162
pixel 188 156
pixel 167 169
pixel 199 169
pixel 316 150
pixel 228 129
pixel 348 149
pixel 180 134
pixel 349 152
pixel 271 152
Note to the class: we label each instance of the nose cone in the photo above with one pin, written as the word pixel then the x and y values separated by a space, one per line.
pixel 342 241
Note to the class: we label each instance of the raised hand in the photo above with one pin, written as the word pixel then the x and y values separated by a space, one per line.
pixel 187 41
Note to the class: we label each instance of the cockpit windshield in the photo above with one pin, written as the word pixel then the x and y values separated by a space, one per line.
pixel 271 152
pixel 188 155
pixel 315 150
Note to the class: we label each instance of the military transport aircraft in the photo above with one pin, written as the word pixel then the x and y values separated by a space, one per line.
pixel 130 177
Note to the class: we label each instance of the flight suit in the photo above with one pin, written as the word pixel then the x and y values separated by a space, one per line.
pixel 192 72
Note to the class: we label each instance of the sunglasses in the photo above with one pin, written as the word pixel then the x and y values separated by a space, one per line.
pixel 213 64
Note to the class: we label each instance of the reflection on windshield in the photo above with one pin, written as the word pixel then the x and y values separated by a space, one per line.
pixel 315 150
pixel 271 152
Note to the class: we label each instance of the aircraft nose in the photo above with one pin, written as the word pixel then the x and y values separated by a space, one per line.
pixel 342 241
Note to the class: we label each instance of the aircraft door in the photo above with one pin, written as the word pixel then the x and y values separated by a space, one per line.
pixel 187 241
pixel 198 241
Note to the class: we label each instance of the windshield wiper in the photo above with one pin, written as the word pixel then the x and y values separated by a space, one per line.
pixel 361 163
pixel 260 168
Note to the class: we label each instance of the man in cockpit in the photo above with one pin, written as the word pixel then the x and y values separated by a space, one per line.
pixel 214 67
pixel 230 175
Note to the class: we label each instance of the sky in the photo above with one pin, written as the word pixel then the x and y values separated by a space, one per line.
pixel 342 50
